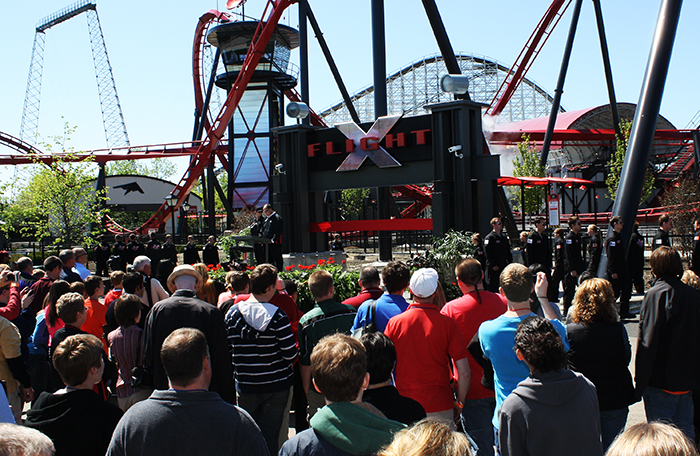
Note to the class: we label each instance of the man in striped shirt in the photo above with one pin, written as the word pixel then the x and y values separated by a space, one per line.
pixel 264 350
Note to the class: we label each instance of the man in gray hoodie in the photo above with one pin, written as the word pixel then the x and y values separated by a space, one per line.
pixel 554 411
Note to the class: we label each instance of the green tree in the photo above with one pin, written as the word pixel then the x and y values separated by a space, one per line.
pixel 526 163
pixel 161 168
pixel 351 201
pixel 58 200
pixel 612 180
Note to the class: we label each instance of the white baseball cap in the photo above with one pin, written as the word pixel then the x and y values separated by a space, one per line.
pixel 424 282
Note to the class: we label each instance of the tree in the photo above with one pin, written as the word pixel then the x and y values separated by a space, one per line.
pixel 526 163
pixel 58 200
pixel 684 196
pixel 351 201
pixel 612 180
pixel 161 168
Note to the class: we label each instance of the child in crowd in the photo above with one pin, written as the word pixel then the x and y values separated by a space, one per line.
pixel 94 288
pixel 126 349
pixel 115 278
pixel 78 287
pixel 75 417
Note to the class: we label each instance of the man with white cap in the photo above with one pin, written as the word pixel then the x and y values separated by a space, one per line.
pixel 427 343
pixel 183 309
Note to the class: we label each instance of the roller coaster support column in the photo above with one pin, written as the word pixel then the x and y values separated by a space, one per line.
pixel 380 109
pixel 560 84
pixel 645 117
pixel 443 41
pixel 304 57
pixel 606 66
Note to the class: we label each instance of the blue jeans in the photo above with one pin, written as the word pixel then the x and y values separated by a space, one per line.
pixel 612 422
pixel 476 421
pixel 267 409
pixel 676 409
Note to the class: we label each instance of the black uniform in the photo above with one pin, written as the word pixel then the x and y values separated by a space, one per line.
pixel 595 248
pixel 210 254
pixel 573 257
pixel 480 256
pixel 635 262
pixel 695 259
pixel 272 230
pixel 559 270
pixel 190 255
pixel 660 238
pixel 134 249
pixel 497 251
pixel 120 250
pixel 154 250
pixel 537 250
pixel 615 250
pixel 169 252
pixel 102 253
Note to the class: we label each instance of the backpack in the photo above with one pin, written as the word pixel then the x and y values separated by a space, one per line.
pixel 370 325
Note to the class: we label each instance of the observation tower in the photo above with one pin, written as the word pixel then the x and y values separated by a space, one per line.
pixel 252 150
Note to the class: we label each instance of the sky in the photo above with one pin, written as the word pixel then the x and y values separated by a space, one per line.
pixel 150 48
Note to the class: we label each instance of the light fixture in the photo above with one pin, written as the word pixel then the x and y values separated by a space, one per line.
pixel 457 84
pixel 171 200
pixel 297 110
pixel 186 206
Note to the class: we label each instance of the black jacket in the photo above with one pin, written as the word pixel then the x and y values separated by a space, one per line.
pixel 274 225
pixel 78 422
pixel 668 347
pixel 595 248
pixel 660 238
pixel 537 249
pixel 190 255
pixel 601 351
pixel 497 251
pixel 695 259
pixel 615 250
pixel 635 256
pixel 573 255
pixel 181 310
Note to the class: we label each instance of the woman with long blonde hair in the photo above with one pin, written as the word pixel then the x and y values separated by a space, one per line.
pixel 600 350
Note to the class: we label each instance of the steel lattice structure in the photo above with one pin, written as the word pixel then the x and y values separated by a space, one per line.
pixel 418 84
pixel 112 117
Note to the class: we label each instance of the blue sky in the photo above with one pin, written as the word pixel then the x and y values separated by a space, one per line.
pixel 150 44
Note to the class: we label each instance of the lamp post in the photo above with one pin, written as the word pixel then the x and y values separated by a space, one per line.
pixel 171 201
pixel 185 208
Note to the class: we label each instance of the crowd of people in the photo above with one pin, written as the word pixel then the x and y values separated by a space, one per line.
pixel 167 362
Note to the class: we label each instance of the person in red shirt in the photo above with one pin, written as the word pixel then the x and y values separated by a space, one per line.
pixel 369 282
pixel 94 288
pixel 476 306
pixel 425 342
pixel 115 278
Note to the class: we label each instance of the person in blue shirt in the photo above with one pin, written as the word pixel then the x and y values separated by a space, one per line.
pixel 395 276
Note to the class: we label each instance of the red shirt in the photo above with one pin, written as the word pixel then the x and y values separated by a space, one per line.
pixel 469 315
pixel 284 302
pixel 112 295
pixel 425 342
pixel 95 320
pixel 365 294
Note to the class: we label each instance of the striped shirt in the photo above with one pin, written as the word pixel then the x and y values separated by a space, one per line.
pixel 124 347
pixel 262 346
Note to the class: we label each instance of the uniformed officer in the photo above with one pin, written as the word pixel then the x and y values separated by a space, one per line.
pixel 559 265
pixel 616 271
pixel 595 248
pixel 695 259
pixel 635 260
pixel 573 257
pixel 537 246
pixel 497 251
pixel 661 236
